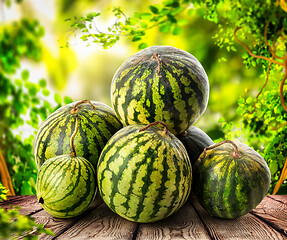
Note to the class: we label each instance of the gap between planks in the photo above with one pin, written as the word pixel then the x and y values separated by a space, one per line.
pixel 274 213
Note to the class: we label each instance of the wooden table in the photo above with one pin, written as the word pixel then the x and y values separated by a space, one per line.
pixel 267 221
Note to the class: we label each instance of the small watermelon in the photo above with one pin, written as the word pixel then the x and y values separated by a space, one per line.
pixel 230 180
pixel 144 174
pixel 97 123
pixel 195 140
pixel 66 185
pixel 160 83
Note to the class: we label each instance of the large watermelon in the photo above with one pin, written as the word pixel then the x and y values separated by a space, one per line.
pixel 97 123
pixel 66 185
pixel 160 83
pixel 195 140
pixel 144 176
pixel 230 183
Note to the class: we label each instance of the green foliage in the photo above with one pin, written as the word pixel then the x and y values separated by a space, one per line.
pixel 3 192
pixel 264 121
pixel 23 103
pixel 9 2
pixel 163 16
pixel 259 27
pixel 263 26
pixel 13 224
pixel 19 40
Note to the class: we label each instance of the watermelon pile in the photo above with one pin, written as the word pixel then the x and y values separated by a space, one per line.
pixel 144 155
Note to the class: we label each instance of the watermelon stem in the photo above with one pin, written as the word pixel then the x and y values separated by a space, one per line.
pixel 73 153
pixel 157 58
pixel 236 154
pixel 76 109
pixel 183 134
pixel 155 123
pixel 41 200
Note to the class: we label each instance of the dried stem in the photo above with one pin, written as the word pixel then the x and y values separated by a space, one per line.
pixel 235 154
pixel 154 123
pixel 279 126
pixel 75 108
pixel 272 50
pixel 282 86
pixel 264 85
pixel 271 60
pixel 252 54
pixel 157 58
pixel 282 177
pixel 73 153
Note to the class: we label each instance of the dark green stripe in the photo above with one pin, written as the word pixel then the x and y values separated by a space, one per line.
pixel 47 169
pixel 151 151
pixel 117 177
pixel 97 139
pixel 190 70
pixel 184 96
pixel 62 135
pixel 43 143
pixel 120 82
pixel 162 189
pixel 76 172
pixel 67 166
pixel 176 193
pixel 139 71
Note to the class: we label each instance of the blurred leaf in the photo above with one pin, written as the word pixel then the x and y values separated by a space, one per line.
pixel 155 8
pixel 142 45
pixel 58 98
pixel 165 28
pixel 67 100
pixel 25 75
pixel 176 30
pixel 42 83
pixel 136 38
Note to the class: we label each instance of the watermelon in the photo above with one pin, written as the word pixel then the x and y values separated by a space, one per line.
pixel 97 123
pixel 160 83
pixel 195 140
pixel 144 174
pixel 230 180
pixel 66 185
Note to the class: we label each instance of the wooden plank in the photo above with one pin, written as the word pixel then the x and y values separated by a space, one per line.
pixel 28 204
pixel 245 227
pixel 184 224
pixel 101 223
pixel 280 198
pixel 267 221
pixel 273 211
pixel 60 225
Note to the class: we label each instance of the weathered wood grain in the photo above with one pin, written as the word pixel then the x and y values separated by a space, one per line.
pixel 245 227
pixel 280 198
pixel 184 224
pixel 267 221
pixel 101 223
pixel 273 211
pixel 28 204
pixel 60 225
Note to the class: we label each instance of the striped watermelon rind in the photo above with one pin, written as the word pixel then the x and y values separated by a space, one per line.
pixel 144 176
pixel 95 128
pixel 194 141
pixel 174 90
pixel 227 186
pixel 66 186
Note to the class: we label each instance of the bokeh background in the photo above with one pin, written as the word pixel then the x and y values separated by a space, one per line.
pixel 39 73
